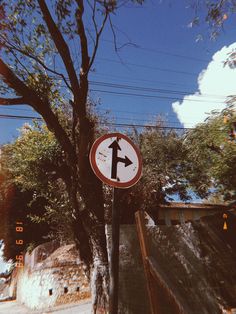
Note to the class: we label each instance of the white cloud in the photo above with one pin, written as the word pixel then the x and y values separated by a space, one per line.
pixel 215 83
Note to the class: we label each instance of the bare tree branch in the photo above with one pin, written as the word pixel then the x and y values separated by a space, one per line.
pixel 98 35
pixel 14 82
pixel 83 39
pixel 22 65
pixel 122 4
pixel 115 42
pixel 41 105
pixel 90 35
pixel 12 101
pixel 114 34
pixel 93 8
pixel 62 48
pixel 86 62
pixel 23 52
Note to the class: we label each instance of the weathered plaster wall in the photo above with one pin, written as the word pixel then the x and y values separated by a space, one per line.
pixel 196 260
pixel 133 297
pixel 58 279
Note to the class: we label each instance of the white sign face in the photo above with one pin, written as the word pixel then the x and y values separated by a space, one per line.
pixel 116 160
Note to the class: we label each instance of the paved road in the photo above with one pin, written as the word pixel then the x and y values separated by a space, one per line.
pixel 13 307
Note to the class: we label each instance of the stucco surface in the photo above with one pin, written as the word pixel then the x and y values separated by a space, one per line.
pixel 197 261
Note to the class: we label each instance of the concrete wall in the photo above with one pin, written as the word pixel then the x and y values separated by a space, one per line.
pixel 133 298
pixel 186 256
pixel 196 260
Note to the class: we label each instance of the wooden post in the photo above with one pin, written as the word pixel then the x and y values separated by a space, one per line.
pixel 145 251
pixel 173 297
pixel 114 263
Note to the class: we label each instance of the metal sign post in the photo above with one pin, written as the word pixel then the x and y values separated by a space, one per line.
pixel 114 263
pixel 116 161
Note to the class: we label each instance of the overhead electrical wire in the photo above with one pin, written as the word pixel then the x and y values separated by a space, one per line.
pixel 149 89
pixel 149 96
pixel 157 51
pixel 130 44
pixel 149 67
pixel 97 110
pixel 9 116
pixel 147 126
pixel 5 116
pixel 130 79
pixel 146 120
pixel 16 109
pixel 133 125
pixel 152 89
pixel 158 114
pixel 163 115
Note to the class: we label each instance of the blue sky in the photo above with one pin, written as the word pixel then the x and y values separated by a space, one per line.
pixel 167 58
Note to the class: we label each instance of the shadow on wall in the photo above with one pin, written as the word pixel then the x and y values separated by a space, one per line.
pixel 196 260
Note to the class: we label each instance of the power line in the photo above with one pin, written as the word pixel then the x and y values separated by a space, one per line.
pixel 16 109
pixel 151 89
pixel 157 51
pixel 155 90
pixel 137 79
pixel 149 117
pixel 150 96
pixel 146 126
pixel 116 118
pixel 131 44
pixel 105 110
pixel 161 114
pixel 149 67
pixel 8 116
pixel 4 116
pixel 170 122
pixel 110 111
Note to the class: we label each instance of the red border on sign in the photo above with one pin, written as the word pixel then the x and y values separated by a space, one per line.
pixel 122 185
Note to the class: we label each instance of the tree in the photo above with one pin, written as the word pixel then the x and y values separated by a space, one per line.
pixel 164 165
pixel 213 12
pixel 14 209
pixel 30 165
pixel 212 150
pixel 33 160
pixel 35 44
pixel 166 172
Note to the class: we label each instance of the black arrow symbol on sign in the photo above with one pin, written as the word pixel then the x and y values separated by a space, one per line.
pixel 115 159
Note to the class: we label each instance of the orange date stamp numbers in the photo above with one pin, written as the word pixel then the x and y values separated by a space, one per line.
pixel 19 242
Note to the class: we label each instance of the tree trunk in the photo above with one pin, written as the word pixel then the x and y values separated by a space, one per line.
pixel 91 191
pixel 99 282
pixel 91 242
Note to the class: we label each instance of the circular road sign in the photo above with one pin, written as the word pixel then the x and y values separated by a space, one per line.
pixel 116 160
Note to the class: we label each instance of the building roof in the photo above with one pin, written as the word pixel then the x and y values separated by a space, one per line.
pixel 181 205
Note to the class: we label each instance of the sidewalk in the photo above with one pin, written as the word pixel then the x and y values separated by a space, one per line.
pixel 84 307
pixel 13 307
